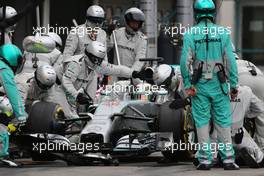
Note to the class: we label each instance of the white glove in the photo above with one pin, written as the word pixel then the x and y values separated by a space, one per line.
pixel 20 119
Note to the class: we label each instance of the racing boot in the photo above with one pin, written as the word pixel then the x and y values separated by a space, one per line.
pixel 215 163
pixel 196 162
pixel 231 166
pixel 248 159
pixel 204 167
pixel 261 164
pixel 6 162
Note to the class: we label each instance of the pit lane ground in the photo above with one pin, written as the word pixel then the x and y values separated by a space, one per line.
pixel 141 167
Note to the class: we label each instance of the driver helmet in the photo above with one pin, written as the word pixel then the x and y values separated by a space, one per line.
pixel 163 75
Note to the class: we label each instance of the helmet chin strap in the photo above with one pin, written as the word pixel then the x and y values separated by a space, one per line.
pixel 40 85
pixel 130 31
pixel 89 63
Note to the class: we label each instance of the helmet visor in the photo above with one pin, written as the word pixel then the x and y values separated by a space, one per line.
pixel 95 60
pixel 96 20
pixel 134 17
pixel 204 11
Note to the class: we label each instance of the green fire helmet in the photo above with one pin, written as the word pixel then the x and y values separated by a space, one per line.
pixel 12 56
pixel 204 9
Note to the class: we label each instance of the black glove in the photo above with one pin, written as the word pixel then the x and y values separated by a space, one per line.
pixel 140 74
pixel 234 93
pixel 58 82
pixel 180 103
pixel 239 136
pixel 253 71
pixel 146 74
pixel 83 99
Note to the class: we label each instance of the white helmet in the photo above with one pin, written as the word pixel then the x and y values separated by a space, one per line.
pixel 134 14
pixel 54 36
pixel 163 74
pixel 95 14
pixel 96 52
pixel 5 105
pixel 45 76
pixel 10 12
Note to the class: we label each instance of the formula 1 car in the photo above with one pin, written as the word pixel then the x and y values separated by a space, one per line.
pixel 117 128
pixel 124 123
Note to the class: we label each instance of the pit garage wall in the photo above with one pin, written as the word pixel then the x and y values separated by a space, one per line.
pixel 149 7
pixel 53 14
pixel 57 13
pixel 226 16
pixel 246 18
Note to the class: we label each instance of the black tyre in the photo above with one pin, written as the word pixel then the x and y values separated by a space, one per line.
pixel 43 118
pixel 42 157
pixel 171 120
